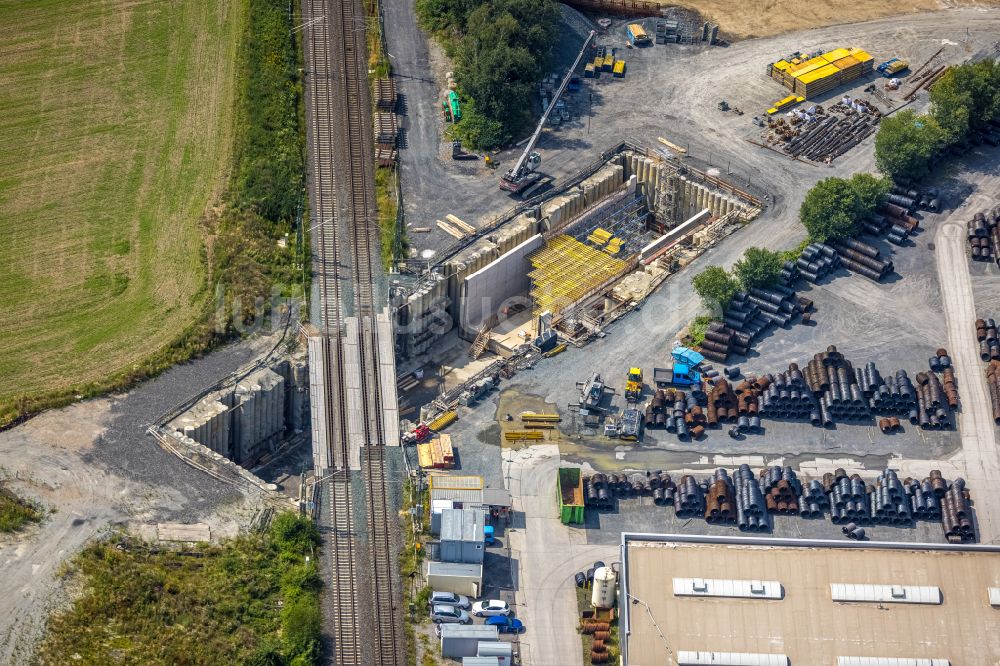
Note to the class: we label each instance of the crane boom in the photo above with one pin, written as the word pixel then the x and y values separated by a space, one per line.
pixel 515 173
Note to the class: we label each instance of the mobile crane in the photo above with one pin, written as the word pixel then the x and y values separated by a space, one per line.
pixel 523 174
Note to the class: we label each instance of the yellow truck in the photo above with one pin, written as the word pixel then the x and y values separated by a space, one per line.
pixel 633 385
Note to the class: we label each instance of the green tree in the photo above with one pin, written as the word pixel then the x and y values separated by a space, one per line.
pixel 715 287
pixel 830 210
pixel 758 268
pixel 966 97
pixel 906 143
pixel 871 190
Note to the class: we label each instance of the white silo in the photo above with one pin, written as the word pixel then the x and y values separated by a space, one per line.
pixel 605 590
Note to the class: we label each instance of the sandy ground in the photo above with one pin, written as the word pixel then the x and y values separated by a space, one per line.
pixel 742 20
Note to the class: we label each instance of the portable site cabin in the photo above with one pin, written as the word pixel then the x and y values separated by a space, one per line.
pixel 462 535
pixel 455 577
pixel 462 640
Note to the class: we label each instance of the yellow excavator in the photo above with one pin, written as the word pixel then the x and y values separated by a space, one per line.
pixel 633 385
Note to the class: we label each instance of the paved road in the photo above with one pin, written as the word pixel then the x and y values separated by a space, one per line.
pixel 546 593
pixel 979 444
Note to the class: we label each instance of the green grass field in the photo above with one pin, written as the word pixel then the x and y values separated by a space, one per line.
pixel 116 127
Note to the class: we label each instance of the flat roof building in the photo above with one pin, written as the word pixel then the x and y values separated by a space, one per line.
pixel 688 599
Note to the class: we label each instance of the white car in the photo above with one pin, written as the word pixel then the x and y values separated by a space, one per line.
pixel 449 614
pixel 490 608
pixel 448 599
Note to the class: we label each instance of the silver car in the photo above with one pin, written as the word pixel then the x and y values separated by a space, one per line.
pixel 442 613
pixel 490 608
pixel 448 599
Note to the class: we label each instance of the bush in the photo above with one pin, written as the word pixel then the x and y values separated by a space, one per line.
pixel 758 268
pixel 300 630
pixel 715 287
pixel 906 143
pixel 294 534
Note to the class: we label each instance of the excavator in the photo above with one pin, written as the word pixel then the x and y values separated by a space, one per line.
pixel 523 179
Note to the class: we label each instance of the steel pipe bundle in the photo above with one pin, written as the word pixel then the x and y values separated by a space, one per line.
pixel 751 512
pixel 862 262
pixel 890 504
pixel 813 499
pixel 789 272
pixel 849 501
pixel 894 394
pixel 989 344
pixel 983 233
pixel 925 503
pixel 933 405
pixel 956 514
pixel 689 499
pixel 597 492
pixel 817 261
pixel 720 501
pixel 788 396
pixel 781 490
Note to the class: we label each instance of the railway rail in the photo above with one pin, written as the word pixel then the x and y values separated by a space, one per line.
pixel 366 618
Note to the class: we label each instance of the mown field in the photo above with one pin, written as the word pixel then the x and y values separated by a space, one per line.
pixel 116 127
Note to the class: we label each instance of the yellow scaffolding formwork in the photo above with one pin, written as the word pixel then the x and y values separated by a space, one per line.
pixel 566 270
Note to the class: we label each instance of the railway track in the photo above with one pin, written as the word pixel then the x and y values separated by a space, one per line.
pixel 366 622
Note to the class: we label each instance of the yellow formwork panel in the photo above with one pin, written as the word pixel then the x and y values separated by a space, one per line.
pixel 835 55
pixel 821 73
pixel 781 65
pixel 861 55
pixel 808 65
pixel 565 270
pixel 846 62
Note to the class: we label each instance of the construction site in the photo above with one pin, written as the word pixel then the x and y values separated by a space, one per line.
pixel 580 420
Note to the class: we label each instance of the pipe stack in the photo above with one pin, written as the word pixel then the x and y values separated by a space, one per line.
pixel 898 217
pixel 875 224
pixel 720 501
pixel 989 344
pixel 925 501
pixel 932 403
pixel 892 395
pixel 849 500
pixel 983 233
pixel 789 272
pixel 956 514
pixel 721 341
pixel 751 513
pixel 786 395
pixel 862 258
pixel 722 403
pixel 813 500
pixel 659 409
pixel 596 492
pixel 782 490
pixel 689 499
pixel 889 503
pixel 833 377
pixel 662 486
pixel 817 261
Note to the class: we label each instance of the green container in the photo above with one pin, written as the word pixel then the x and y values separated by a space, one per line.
pixel 569 491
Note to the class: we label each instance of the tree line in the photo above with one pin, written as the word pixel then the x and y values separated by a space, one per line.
pixel 500 49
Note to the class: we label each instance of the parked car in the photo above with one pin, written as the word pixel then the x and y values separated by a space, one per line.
pixel 451 614
pixel 506 624
pixel 448 599
pixel 490 608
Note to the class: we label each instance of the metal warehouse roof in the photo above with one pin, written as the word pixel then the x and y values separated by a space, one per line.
pixel 483 632
pixel 900 594
pixel 462 524
pixel 890 661
pixel 463 495
pixel 438 481
pixel 748 589
pixel 455 569
pixel 685 658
